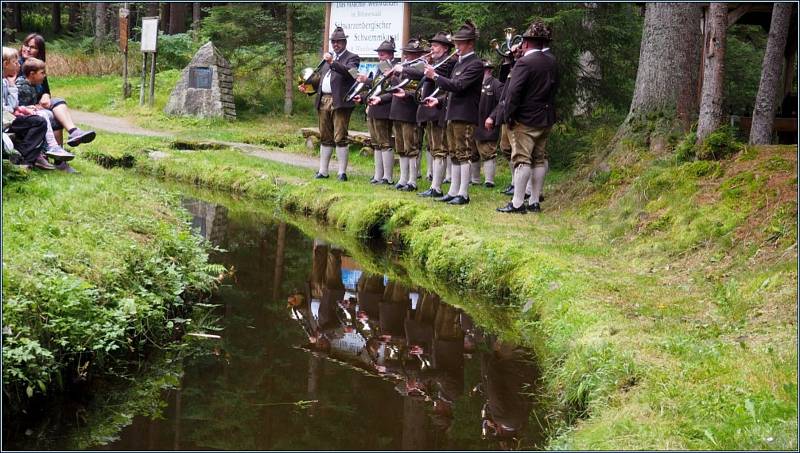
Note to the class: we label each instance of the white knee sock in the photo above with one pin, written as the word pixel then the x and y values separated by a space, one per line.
pixel 325 153
pixel 378 159
pixel 429 160
pixel 388 164
pixel 438 173
pixel 529 184
pixel 521 176
pixel 403 171
pixel 341 155
pixel 475 172
pixel 455 180
pixel 538 182
pixel 489 168
pixel 466 170
pixel 448 168
pixel 413 170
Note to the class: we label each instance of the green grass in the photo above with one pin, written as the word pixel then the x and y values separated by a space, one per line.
pixel 94 267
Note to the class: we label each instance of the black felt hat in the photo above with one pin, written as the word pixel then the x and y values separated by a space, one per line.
pixel 415 45
pixel 467 32
pixel 338 34
pixel 443 38
pixel 387 45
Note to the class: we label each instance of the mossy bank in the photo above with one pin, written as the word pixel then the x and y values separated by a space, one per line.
pixel 660 298
pixel 95 268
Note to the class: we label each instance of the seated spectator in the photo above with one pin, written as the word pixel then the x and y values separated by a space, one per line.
pixel 29 129
pixel 34 47
pixel 10 69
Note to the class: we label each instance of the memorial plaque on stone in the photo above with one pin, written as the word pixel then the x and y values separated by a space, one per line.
pixel 205 88
pixel 200 78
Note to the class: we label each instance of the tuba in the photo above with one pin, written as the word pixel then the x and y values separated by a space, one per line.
pixel 504 49
pixel 309 78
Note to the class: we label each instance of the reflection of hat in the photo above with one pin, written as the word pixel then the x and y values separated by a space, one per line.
pixel 539 30
pixel 415 45
pixel 487 64
pixel 387 45
pixel 467 32
pixel 443 38
pixel 338 34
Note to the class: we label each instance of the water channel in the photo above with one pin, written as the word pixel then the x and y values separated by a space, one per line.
pixel 313 352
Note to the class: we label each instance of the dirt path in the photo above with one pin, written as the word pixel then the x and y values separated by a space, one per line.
pixel 124 126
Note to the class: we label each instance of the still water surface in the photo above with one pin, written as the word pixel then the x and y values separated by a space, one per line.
pixel 314 353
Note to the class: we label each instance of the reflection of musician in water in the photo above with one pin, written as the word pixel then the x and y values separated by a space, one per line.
pixel 507 373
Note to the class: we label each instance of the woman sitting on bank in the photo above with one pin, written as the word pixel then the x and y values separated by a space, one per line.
pixel 34 47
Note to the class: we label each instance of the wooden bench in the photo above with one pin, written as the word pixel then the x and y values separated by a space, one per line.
pixel 358 137
pixel 785 128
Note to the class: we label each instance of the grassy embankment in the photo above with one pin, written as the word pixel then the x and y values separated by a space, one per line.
pixel 660 296
pixel 97 268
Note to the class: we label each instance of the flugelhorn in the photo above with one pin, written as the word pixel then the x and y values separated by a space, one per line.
pixel 504 49
pixel 407 82
pixel 356 89
pixel 384 71
pixel 425 86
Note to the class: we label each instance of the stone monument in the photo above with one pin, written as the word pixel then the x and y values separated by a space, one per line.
pixel 205 88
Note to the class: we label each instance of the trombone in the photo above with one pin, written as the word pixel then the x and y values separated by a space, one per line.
pixel 504 49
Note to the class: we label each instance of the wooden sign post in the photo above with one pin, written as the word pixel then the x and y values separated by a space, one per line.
pixel 149 41
pixel 124 14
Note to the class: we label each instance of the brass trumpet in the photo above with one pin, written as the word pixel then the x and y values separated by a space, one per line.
pixel 504 49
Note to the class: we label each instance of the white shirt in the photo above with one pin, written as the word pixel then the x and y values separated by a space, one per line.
pixel 326 81
pixel 535 50
pixel 462 57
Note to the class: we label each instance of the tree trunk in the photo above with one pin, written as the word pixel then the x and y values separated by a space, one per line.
pixel 669 61
pixel 713 71
pixel 163 21
pixel 288 94
pixel 100 22
pixel 768 88
pixel 152 9
pixel 56 17
pixel 17 15
pixel 74 16
pixel 177 18
pixel 196 16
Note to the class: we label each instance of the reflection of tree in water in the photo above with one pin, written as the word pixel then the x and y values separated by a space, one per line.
pixel 508 373
pixel 410 336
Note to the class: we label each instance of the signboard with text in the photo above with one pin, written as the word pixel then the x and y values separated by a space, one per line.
pixel 149 34
pixel 368 24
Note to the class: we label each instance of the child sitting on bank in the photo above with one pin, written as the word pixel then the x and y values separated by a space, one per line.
pixel 33 74
pixel 29 129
